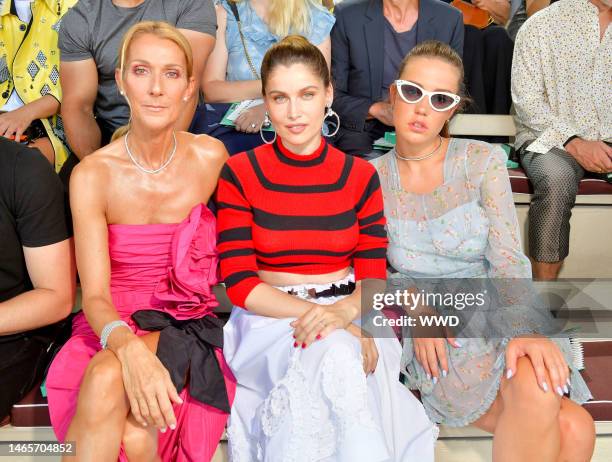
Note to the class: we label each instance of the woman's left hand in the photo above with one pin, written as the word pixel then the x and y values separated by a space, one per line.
pixel 544 355
pixel 319 321
pixel 15 123
pixel 250 120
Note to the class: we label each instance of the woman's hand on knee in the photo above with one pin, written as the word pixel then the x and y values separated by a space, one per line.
pixel 431 354
pixel 546 359
pixel 369 352
pixel 148 386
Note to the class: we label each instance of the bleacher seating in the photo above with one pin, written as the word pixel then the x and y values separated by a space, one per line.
pixel 592 217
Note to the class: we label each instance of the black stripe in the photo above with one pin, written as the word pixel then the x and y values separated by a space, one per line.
pixel 372 186
pixel 372 253
pixel 286 253
pixel 371 219
pixel 237 278
pixel 306 189
pixel 299 163
pixel 236 253
pixel 235 234
pixel 374 230
pixel 276 222
pixel 228 175
pixel 227 205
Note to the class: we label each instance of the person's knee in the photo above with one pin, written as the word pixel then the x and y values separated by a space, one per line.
pixel 102 389
pixel 577 428
pixel 140 444
pixel 523 394
pixel 557 180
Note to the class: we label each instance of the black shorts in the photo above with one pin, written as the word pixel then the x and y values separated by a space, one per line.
pixel 22 364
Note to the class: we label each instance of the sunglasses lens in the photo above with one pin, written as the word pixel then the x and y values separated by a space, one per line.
pixel 441 102
pixel 411 93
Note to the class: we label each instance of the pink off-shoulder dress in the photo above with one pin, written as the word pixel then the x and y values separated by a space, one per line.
pixel 170 269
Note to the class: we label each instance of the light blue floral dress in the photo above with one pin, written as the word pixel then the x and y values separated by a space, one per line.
pixel 466 228
pixel 259 39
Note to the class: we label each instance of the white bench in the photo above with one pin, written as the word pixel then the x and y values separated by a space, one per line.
pixel 591 223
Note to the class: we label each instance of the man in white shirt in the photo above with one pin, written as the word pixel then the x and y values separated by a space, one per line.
pixel 562 92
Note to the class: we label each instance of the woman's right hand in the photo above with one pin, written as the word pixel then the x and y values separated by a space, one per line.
pixel 431 352
pixel 148 386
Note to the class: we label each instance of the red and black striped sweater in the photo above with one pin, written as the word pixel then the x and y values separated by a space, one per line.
pixel 305 214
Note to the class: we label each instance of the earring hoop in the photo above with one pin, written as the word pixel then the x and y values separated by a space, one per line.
pixel 325 128
pixel 265 124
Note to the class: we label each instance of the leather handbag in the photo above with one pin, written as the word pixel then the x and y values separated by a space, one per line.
pixel 472 15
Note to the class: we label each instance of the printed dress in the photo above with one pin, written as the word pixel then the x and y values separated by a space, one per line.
pixel 466 228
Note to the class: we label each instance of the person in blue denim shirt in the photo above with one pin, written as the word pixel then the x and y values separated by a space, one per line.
pixel 232 72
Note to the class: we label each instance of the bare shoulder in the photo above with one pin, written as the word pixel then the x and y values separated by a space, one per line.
pixel 94 171
pixel 208 150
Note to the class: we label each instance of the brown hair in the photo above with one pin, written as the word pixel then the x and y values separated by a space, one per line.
pixel 443 52
pixel 161 30
pixel 294 49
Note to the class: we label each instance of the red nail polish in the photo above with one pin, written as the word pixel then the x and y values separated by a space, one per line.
pixel 318 336
pixel 303 345
pixel 295 344
pixel 293 336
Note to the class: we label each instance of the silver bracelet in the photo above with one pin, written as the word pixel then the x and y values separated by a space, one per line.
pixel 108 328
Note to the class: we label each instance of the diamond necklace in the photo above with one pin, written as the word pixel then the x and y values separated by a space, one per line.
pixel 146 170
pixel 426 156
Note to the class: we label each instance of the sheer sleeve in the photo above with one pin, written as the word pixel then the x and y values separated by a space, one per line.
pixel 504 254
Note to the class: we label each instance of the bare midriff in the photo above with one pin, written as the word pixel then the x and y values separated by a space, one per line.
pixel 275 278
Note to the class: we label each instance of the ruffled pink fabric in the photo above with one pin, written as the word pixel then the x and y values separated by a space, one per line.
pixel 186 288
pixel 168 267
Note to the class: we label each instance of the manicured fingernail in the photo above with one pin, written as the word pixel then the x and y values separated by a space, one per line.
pixel 509 374
pixel 163 430
pixel 544 386
pixel 458 343
pixel 295 344
pixel 180 400
pixel 303 345
pixel 318 336
pixel 293 336
pixel 144 424
pixel 566 389
pixel 173 427
pixel 428 377
pixel 569 382
pixel 559 391
pixel 435 380
pixel 444 373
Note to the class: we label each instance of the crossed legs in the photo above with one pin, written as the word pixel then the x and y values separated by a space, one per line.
pixel 103 421
pixel 530 424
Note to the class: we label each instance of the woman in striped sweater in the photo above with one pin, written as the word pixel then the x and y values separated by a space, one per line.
pixel 301 226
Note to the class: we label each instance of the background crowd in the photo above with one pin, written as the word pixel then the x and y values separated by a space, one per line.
pixel 549 65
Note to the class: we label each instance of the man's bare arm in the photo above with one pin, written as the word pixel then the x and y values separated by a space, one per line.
pixel 202 46
pixel 79 90
pixel 53 274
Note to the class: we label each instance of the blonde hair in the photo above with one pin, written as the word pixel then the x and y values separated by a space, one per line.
pixel 161 30
pixel 289 16
pixel 443 52
pixel 294 49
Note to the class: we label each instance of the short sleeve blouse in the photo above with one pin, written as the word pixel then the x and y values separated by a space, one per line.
pixel 258 37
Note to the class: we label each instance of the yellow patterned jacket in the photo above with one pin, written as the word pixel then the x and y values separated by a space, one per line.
pixel 29 61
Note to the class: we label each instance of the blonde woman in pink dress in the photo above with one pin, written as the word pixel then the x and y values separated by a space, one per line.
pixel 143 376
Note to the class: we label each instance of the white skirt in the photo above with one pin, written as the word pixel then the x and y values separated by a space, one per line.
pixel 316 404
